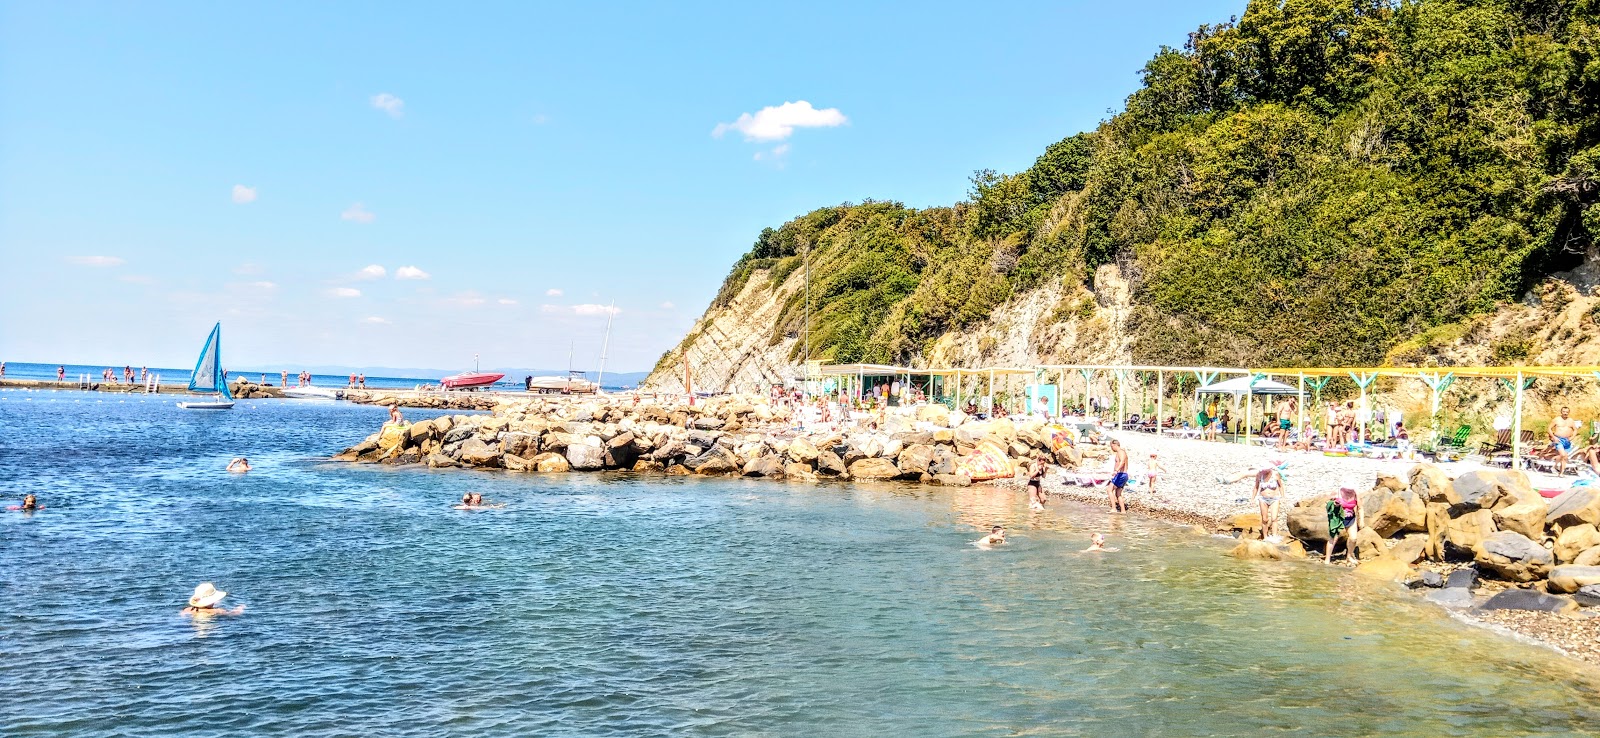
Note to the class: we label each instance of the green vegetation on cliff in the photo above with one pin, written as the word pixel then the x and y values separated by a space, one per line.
pixel 1314 182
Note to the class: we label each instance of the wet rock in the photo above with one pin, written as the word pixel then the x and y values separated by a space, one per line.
pixel 1571 578
pixel 874 468
pixel 765 466
pixel 1527 599
pixel 551 462
pixel 1385 569
pixel 1427 578
pixel 953 480
pixel 799 472
pixel 829 462
pixel 1256 551
pixel 1575 540
pixel 1513 557
pixel 1458 598
pixel 1246 525
pixel 677 470
pixel 515 463
pixel 474 452
pixel 440 461
pixel 646 465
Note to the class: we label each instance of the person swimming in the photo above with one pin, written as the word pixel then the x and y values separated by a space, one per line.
pixel 29 504
pixel 205 599
pixel 997 536
pixel 240 464
pixel 1097 543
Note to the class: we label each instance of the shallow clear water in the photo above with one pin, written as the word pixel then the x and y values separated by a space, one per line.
pixel 620 605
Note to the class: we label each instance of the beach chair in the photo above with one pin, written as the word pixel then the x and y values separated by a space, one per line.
pixel 1457 443
pixel 1500 444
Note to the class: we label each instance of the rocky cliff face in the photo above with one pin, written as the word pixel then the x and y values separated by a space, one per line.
pixel 732 348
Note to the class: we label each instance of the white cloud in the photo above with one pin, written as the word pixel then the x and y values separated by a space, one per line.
pixel 775 123
pixel 344 292
pixel 390 104
pixel 466 299
pixel 264 285
pixel 506 301
pixel 372 271
pixel 136 279
pixel 358 213
pixel 548 308
pixel 593 309
pixel 243 194
pixel 667 306
pixel 375 320
pixel 553 292
pixel 775 154
pixel 410 272
pixel 97 261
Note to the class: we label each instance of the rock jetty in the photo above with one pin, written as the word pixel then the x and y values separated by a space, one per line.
pixel 732 436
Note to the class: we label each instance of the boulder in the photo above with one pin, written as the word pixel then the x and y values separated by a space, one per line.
pixel 915 459
pixel 1293 549
pixel 935 414
pixel 1571 578
pixel 944 436
pixel 646 465
pixel 944 461
pixel 515 463
pixel 1069 457
pixel 620 440
pixel 874 468
pixel 551 461
pixel 1464 533
pixel 1513 557
pixel 474 452
pixel 1390 482
pixel 1369 545
pixel 829 462
pixel 714 462
pixel 1428 578
pixel 1576 506
pixel 1246 525
pixel 1256 551
pixel 953 480
pixel 1528 599
pixel 1395 512
pixel 1589 557
pixel 1575 540
pixel 440 461
pixel 802 450
pixel 1385 569
pixel 516 443
pixel 765 466
pixel 1432 484
pixel 1526 518
pixel 1462 579
pixel 798 471
pixel 587 454
pixel 677 470
pixel 1588 595
pixel 1489 489
pixel 1458 598
pixel 1308 522
pixel 707 422
pixel 1410 548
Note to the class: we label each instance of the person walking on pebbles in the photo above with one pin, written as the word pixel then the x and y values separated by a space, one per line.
pixel 1119 476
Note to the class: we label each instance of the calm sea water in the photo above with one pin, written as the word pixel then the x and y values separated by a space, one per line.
pixel 618 605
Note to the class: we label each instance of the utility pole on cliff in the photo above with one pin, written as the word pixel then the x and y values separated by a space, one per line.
pixel 806 335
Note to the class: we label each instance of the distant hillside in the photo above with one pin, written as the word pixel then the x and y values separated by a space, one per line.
pixel 1314 183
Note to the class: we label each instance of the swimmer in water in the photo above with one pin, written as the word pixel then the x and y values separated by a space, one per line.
pixel 205 599
pixel 1097 543
pixel 997 536
pixel 240 464
pixel 29 503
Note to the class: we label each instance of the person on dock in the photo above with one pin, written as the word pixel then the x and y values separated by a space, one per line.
pixel 61 374
pixel 2 370
pixel 1563 428
pixel 206 599
pixel 1036 483
pixel 997 536
pixel 1269 488
pixel 1119 476
pixel 239 465
pixel 1344 521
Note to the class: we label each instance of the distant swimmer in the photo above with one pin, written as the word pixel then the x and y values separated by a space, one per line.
pixel 997 536
pixel 240 464
pixel 29 504
pixel 205 599
pixel 1097 543
pixel 474 501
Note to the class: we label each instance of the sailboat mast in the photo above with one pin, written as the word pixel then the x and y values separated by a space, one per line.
pixel 599 382
pixel 569 364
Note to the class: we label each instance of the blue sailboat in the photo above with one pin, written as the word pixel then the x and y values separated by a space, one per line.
pixel 208 377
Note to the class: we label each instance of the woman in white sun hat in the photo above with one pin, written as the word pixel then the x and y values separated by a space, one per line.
pixel 205 599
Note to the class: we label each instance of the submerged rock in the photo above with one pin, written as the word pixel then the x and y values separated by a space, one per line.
pixel 1527 599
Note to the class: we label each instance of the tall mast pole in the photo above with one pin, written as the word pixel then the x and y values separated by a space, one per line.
pixel 599 386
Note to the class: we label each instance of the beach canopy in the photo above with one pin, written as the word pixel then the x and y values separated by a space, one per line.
pixel 1243 385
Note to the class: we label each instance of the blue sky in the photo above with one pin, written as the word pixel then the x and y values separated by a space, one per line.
pixel 512 169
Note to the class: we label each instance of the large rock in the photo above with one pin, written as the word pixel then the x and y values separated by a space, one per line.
pixel 1588 596
pixel 953 480
pixel 515 463
pixel 1526 518
pixel 1464 533
pixel 1369 545
pixel 1409 548
pixel 1386 569
pixel 1589 557
pixel 1514 557
pixel 1570 578
pixel 1489 489
pixel 515 443
pixel 1256 551
pixel 829 462
pixel 935 414
pixel 915 459
pixel 440 461
pixel 802 451
pixel 1432 484
pixel 474 452
pixel 1396 512
pixel 1576 506
pixel 1308 522
pixel 799 472
pixel 1575 540
pixel 874 468
pixel 551 462
pixel 714 461
pixel 1527 599
pixel 587 455
pixel 765 466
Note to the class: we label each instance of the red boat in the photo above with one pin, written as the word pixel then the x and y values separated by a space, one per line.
pixel 470 380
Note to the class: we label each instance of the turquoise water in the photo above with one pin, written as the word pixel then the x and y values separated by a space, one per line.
pixel 620 605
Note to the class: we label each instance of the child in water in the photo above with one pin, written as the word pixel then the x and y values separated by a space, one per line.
pixel 1097 543
pixel 997 536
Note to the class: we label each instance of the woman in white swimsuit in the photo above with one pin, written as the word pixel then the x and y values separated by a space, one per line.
pixel 1268 490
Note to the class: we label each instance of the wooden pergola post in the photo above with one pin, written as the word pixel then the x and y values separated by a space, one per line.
pixel 1160 402
pixel 1516 426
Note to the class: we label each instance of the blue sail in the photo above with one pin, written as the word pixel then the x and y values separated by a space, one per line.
pixel 207 376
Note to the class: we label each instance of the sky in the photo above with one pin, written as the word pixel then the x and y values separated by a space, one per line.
pixel 399 184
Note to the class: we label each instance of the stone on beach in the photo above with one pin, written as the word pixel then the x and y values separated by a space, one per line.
pixel 1570 578
pixel 1527 599
pixel 1574 541
pixel 1514 557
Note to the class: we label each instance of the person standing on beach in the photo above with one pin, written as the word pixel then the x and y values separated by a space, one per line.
pixel 1284 411
pixel 1344 521
pixel 1119 476
pixel 2 370
pixel 1036 483
pixel 1152 471
pixel 61 374
pixel 1562 430
pixel 1269 488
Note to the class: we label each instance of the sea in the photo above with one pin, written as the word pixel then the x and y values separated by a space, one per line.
pixel 168 375
pixel 627 605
